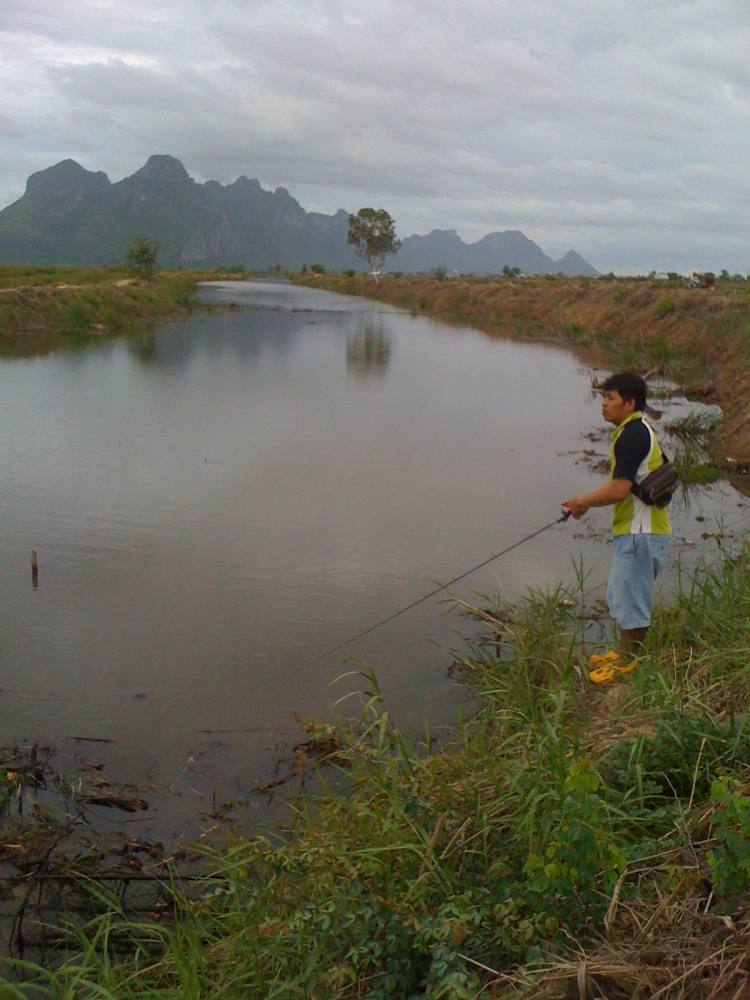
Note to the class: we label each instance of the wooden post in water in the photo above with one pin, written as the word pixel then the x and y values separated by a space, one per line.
pixel 34 570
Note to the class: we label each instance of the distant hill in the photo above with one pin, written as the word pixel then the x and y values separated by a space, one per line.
pixel 69 215
pixel 573 265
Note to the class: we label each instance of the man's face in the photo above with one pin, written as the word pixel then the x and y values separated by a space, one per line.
pixel 614 407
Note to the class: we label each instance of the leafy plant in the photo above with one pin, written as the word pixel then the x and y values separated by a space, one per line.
pixel 579 860
pixel 730 858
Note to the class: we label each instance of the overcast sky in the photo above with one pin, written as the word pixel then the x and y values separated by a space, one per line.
pixel 618 127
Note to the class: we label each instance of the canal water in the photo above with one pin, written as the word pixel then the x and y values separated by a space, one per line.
pixel 218 501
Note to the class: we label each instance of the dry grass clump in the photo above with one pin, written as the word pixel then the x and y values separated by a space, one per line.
pixel 677 951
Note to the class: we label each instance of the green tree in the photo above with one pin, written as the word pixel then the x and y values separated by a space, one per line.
pixel 141 256
pixel 372 233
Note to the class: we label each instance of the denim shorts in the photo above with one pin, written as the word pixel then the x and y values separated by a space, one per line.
pixel 637 560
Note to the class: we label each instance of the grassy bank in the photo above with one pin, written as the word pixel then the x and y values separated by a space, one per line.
pixel 569 841
pixel 699 336
pixel 46 308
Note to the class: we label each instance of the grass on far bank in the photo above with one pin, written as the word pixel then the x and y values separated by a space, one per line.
pixel 58 313
pixel 15 275
pixel 50 308
pixel 570 841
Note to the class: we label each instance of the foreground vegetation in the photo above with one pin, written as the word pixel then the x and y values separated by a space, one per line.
pixel 568 841
pixel 698 336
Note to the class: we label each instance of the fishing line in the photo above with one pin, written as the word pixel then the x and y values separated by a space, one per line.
pixel 437 590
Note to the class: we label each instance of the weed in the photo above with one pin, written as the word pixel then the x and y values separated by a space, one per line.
pixel 730 858
pixel 696 425
pixel 689 458
pixel 665 306
pixel 77 316
pixel 681 759
pixel 579 861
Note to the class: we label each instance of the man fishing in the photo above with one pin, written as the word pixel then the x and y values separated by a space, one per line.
pixel 641 532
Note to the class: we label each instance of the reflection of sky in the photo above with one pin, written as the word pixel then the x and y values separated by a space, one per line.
pixel 216 507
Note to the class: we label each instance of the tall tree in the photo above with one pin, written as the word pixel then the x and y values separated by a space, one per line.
pixel 372 232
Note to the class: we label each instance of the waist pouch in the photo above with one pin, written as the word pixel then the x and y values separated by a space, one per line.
pixel 659 486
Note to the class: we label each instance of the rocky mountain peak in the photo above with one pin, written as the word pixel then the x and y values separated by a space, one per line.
pixel 162 169
pixel 67 176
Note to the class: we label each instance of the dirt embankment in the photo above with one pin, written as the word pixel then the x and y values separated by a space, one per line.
pixel 698 336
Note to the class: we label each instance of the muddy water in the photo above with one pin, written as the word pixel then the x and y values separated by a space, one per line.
pixel 219 501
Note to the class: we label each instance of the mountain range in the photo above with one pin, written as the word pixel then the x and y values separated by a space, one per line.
pixel 69 215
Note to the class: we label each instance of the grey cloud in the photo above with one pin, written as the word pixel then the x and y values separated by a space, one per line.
pixel 581 123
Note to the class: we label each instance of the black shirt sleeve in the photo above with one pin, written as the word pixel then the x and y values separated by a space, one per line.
pixel 631 448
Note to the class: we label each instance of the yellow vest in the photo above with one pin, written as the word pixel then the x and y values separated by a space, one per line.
pixel 631 516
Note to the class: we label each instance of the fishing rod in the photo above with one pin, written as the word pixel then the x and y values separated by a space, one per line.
pixel 559 520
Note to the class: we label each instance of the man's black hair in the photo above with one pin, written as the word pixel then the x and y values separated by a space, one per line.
pixel 630 386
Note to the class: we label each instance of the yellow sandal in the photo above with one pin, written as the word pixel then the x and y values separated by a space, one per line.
pixel 599 659
pixel 610 671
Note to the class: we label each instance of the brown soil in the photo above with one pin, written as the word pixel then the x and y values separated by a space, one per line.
pixel 700 337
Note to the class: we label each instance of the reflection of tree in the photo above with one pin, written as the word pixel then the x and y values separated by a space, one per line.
pixel 368 351
pixel 143 347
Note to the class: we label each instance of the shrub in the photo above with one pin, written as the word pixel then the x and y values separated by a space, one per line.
pixel 141 256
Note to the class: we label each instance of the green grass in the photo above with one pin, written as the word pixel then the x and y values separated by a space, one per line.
pixel 692 434
pixel 31 319
pixel 502 850
pixel 697 425
pixel 12 276
pixel 665 306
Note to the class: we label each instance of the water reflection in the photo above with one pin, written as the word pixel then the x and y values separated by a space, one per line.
pixel 368 350
pixel 143 347
pixel 20 346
